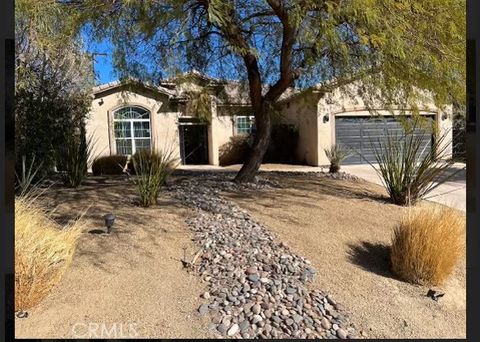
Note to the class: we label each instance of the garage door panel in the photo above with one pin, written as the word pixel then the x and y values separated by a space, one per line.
pixel 352 134
pixel 349 130
pixel 395 130
pixel 371 145
pixel 368 137
pixel 352 147
pixel 373 132
pixel 349 138
pixel 365 134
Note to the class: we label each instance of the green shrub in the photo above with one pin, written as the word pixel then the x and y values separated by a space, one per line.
pixel 336 155
pixel 151 171
pixel 73 159
pixel 407 170
pixel 235 150
pixel 109 165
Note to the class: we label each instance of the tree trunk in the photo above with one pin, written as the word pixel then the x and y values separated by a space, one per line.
pixel 263 122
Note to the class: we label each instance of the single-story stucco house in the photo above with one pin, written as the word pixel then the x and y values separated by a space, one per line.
pixel 123 120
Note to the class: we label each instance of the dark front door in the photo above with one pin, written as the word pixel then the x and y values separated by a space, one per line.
pixel 193 144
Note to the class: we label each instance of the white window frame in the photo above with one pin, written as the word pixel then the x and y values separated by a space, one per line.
pixel 132 137
pixel 250 117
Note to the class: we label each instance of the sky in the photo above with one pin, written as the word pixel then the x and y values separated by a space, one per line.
pixel 104 69
pixel 104 66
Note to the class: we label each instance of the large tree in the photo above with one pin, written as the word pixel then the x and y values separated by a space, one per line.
pixel 53 83
pixel 394 47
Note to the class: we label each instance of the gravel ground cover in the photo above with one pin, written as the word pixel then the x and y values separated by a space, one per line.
pixel 257 287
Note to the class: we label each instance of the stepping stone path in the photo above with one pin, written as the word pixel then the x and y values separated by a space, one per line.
pixel 257 287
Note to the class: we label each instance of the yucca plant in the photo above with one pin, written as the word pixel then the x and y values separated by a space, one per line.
pixel 74 159
pixel 336 155
pixel 151 171
pixel 25 181
pixel 408 171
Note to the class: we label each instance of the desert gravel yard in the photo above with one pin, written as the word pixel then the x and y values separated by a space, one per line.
pixel 271 254
pixel 344 227
pixel 131 282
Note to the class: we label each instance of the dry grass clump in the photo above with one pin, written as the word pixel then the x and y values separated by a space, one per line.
pixel 428 244
pixel 43 251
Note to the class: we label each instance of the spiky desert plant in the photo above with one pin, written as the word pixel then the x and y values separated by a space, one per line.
pixel 427 244
pixel 151 171
pixel 336 154
pixel 408 170
pixel 25 180
pixel 43 251
pixel 74 159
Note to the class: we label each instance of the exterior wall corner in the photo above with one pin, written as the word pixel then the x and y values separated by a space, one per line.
pixel 213 141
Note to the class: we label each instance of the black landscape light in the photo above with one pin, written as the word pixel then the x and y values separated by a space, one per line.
pixel 109 220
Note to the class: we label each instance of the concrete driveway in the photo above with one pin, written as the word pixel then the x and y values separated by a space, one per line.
pixel 451 193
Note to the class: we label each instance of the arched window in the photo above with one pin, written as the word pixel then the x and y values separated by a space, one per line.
pixel 131 126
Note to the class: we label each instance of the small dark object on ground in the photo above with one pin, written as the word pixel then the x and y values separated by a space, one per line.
pixel 434 294
pixel 109 220
pixel 96 231
pixel 22 314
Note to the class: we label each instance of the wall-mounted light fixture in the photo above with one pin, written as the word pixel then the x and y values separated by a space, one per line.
pixel 100 102
pixel 326 118
pixel 444 116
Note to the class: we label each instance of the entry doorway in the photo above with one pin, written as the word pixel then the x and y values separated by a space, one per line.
pixel 193 143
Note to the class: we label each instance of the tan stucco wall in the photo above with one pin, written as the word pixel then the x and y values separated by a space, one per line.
pixel 302 113
pixel 220 130
pixel 213 130
pixel 226 128
pixel 445 125
pixel 163 124
pixel 223 123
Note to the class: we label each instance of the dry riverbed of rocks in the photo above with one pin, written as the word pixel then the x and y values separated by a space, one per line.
pixel 257 287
